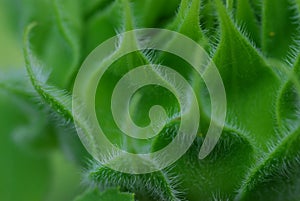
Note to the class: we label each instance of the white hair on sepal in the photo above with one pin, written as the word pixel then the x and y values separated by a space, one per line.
pixel 242 29
pixel 271 164
pixel 41 73
pixel 122 15
pixel 160 185
pixel 61 107
pixel 259 4
pixel 295 11
pixel 58 100
pixel 120 29
pixel 281 168
pixel 214 42
pixel 179 15
pixel 133 18
pixel 288 125
pixel 120 37
pixel 272 144
pixel 151 55
pixel 232 123
pixel 216 196
pixel 135 183
pixel 233 126
pixel 294 51
pixel 275 105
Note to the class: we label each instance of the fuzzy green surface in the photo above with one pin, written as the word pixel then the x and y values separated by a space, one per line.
pixel 255 46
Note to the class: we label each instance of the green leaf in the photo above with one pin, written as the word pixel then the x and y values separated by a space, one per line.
pixel 278 28
pixel 246 18
pixel 288 102
pixel 209 20
pixel 59 100
pixel 277 175
pixel 249 99
pixel 216 175
pixel 108 195
pixel 112 76
pixel 187 21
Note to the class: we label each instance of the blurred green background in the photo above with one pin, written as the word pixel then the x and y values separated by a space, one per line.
pixel 30 169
